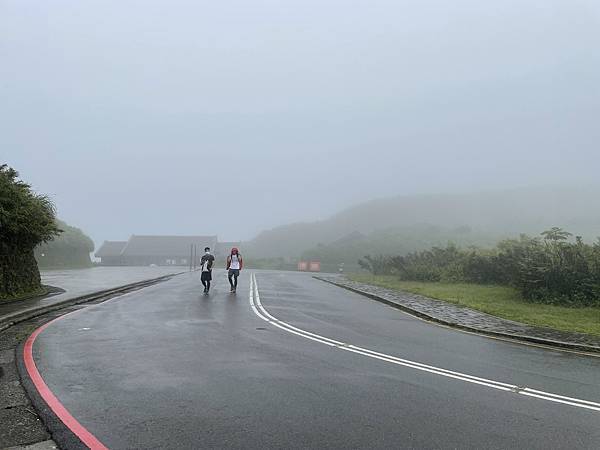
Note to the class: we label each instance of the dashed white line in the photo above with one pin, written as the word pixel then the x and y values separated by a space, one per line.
pixel 261 312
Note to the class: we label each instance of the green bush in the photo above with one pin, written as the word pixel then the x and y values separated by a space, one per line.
pixel 551 269
pixel 69 250
pixel 26 220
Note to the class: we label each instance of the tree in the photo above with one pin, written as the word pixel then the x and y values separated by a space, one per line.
pixel 378 265
pixel 26 220
pixel 69 250
pixel 556 234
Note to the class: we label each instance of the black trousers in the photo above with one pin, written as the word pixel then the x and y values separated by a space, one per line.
pixel 205 279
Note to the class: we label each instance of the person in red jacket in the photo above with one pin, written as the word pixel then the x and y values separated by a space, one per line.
pixel 234 265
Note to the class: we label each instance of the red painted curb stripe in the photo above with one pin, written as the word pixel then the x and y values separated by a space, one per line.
pixel 55 405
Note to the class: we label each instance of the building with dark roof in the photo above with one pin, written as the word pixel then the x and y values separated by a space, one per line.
pixel 110 253
pixel 159 250
pixel 164 250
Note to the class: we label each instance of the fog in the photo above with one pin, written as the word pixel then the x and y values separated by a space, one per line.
pixel 228 118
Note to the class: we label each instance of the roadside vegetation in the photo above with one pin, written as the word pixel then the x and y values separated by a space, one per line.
pixel 552 280
pixel 394 241
pixel 552 269
pixel 27 219
pixel 71 249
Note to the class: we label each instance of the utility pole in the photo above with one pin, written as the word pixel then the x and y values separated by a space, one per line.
pixel 191 255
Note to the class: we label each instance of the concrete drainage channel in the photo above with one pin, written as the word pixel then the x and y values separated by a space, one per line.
pixel 21 426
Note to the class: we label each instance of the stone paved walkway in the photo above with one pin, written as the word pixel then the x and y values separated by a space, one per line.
pixel 469 319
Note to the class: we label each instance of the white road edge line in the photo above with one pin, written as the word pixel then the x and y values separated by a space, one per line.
pixel 262 313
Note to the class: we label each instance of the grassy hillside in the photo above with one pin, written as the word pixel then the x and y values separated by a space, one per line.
pixel 395 225
pixel 396 241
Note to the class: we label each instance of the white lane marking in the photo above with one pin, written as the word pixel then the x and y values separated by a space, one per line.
pixel 261 312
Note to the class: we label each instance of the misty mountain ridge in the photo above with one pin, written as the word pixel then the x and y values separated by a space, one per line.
pixel 485 216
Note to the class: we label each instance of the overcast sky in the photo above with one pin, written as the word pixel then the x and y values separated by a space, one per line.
pixel 228 117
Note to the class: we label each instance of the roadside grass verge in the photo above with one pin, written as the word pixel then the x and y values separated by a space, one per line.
pixel 500 301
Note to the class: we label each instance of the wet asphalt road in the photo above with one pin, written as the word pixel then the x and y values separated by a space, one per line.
pixel 77 282
pixel 167 367
pixel 92 279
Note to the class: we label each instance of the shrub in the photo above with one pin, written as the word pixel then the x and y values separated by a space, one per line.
pixel 70 250
pixel 550 269
pixel 26 220
pixel 377 265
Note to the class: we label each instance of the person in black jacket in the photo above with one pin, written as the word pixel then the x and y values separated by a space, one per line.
pixel 206 264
